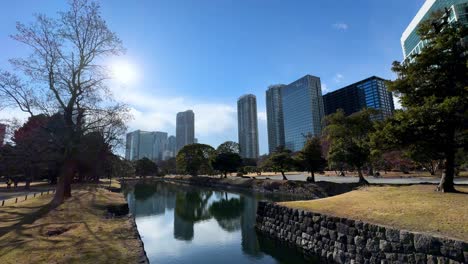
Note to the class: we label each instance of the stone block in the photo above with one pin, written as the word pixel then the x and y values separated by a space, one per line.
pixel 359 241
pixel 316 218
pixel 339 256
pixel 430 259
pixel 420 258
pixel 442 260
pixel 351 249
pixel 342 228
pixel 406 237
pixel 392 235
pixel 341 238
pixel 352 231
pixel 372 245
pixel 385 246
pixel 426 244
pixel 324 232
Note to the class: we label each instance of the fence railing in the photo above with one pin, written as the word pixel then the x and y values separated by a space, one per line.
pixel 25 197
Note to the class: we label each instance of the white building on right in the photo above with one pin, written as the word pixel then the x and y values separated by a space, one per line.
pixel 411 42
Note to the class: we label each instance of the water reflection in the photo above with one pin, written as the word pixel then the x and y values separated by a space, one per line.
pixel 186 224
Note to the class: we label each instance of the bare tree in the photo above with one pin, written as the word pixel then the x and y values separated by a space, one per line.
pixel 65 73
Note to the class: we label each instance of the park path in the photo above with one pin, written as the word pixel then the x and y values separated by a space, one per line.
pixel 382 180
pixel 21 192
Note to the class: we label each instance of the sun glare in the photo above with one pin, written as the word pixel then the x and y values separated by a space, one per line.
pixel 124 72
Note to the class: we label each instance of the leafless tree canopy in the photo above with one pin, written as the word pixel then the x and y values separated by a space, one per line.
pixel 65 71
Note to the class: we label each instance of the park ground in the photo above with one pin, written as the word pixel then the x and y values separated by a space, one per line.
pixel 78 231
pixel 416 208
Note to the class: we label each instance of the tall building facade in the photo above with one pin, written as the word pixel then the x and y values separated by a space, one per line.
pixel 368 93
pixel 143 144
pixel 275 122
pixel 303 111
pixel 2 134
pixel 411 43
pixel 185 129
pixel 247 126
pixel 171 146
pixel 160 145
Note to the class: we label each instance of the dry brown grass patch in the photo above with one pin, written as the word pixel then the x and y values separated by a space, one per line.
pixel 75 232
pixel 415 208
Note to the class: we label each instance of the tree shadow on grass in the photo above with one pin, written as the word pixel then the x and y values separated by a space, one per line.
pixel 25 218
pixel 97 244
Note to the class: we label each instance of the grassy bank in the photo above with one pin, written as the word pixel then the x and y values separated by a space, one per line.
pixel 415 208
pixel 77 231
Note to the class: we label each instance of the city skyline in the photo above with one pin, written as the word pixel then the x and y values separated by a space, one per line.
pixel 160 59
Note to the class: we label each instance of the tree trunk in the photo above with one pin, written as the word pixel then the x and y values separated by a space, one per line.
pixel 362 180
pixel 63 188
pixel 446 181
pixel 284 176
pixel 312 176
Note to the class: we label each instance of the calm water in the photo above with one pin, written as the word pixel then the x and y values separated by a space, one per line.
pixel 187 224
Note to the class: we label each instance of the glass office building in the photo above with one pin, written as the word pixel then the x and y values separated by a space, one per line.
pixel 369 93
pixel 144 144
pixel 275 117
pixel 171 146
pixel 411 42
pixel 303 111
pixel 247 126
pixel 159 145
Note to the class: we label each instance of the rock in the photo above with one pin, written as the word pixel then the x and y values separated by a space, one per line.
pixel 392 235
pixel 406 237
pixel 339 256
pixel 118 209
pixel 385 246
pixel 426 244
pixel 359 241
pixel 372 245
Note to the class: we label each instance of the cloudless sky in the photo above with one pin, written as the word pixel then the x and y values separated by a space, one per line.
pixel 203 55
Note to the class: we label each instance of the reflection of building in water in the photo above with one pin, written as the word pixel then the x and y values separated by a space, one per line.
pixel 155 204
pixel 250 245
pixel 183 230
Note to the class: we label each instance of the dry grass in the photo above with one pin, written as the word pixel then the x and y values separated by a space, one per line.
pixel 415 208
pixel 114 183
pixel 88 236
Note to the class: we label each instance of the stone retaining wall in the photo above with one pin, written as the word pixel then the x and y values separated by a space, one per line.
pixel 343 240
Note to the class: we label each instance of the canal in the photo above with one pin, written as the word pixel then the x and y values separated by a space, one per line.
pixel 189 224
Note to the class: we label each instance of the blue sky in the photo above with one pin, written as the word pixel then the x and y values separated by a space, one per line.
pixel 203 55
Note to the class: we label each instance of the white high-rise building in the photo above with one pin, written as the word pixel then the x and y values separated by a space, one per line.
pixel 185 129
pixel 247 126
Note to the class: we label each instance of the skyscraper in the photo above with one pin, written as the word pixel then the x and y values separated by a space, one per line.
pixel 411 43
pixel 302 106
pixel 275 122
pixel 247 126
pixel 369 93
pixel 2 134
pixel 185 129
